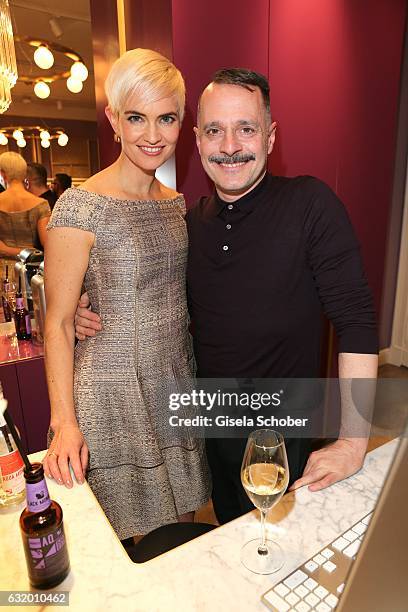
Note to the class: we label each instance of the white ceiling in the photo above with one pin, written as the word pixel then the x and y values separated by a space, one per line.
pixel 31 18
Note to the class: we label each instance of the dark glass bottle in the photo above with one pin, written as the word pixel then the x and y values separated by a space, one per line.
pixel 42 531
pixel 4 298
pixel 22 319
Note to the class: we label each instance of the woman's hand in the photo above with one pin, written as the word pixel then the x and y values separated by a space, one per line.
pixel 67 447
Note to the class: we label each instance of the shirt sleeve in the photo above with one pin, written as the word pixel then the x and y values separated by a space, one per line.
pixel 77 208
pixel 44 210
pixel 335 260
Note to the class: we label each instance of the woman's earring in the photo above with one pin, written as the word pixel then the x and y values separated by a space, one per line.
pixel 116 138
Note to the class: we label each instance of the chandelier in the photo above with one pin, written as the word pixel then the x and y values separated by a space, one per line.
pixel 44 58
pixel 8 66
pixel 32 132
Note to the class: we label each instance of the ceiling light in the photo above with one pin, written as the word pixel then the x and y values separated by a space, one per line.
pixel 45 144
pixel 21 143
pixel 3 139
pixel 18 134
pixel 79 71
pixel 41 90
pixel 8 66
pixel 43 57
pixel 44 135
pixel 74 85
pixel 62 140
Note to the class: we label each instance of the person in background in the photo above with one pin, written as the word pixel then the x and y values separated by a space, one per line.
pixel 266 255
pixel 37 183
pixel 109 398
pixel 23 216
pixel 60 183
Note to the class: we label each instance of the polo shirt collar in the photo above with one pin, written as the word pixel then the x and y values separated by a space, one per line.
pixel 246 203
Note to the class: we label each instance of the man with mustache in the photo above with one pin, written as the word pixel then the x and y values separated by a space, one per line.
pixel 266 255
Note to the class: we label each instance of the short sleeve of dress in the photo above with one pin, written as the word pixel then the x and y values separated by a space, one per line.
pixel 44 210
pixel 77 208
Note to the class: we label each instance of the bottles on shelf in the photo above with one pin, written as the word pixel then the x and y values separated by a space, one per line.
pixel 22 318
pixel 8 296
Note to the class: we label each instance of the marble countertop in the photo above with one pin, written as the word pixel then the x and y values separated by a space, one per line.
pixel 204 574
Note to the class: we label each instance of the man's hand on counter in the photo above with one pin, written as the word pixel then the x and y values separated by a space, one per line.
pixel 87 323
pixel 332 463
pixel 68 446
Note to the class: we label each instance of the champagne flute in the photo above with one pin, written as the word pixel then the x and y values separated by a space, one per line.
pixel 265 477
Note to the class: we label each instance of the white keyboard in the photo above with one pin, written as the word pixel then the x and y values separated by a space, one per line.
pixel 317 584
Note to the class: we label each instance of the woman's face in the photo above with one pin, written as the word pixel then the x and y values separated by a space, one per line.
pixel 148 132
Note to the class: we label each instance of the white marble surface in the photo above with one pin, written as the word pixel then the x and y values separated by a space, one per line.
pixel 204 574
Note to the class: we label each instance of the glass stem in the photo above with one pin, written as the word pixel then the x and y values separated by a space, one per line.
pixel 262 548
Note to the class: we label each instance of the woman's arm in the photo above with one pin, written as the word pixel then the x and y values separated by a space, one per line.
pixel 64 274
pixel 9 251
pixel 42 230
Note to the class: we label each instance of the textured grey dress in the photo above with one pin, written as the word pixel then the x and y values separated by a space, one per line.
pixel 143 472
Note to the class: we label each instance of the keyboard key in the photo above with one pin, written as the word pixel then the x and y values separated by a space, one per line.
pixel 280 604
pixel 310 584
pixel 366 520
pixel 302 607
pixel 327 553
pixel 281 590
pixel 351 550
pixel 322 607
pixel 295 579
pixel 319 559
pixel 331 601
pixel 312 599
pixel 360 528
pixel 329 567
pixel 301 591
pixel 321 592
pixel 292 599
pixel 350 535
pixel 311 566
pixel 340 588
pixel 340 543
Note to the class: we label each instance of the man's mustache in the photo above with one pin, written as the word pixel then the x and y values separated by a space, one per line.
pixel 232 159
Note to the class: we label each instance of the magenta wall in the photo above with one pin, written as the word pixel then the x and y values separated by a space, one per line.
pixel 334 69
pixel 207 36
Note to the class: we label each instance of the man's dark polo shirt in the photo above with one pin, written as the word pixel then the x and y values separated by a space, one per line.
pixel 261 269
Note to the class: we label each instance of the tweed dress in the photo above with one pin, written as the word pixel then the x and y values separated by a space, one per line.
pixel 143 472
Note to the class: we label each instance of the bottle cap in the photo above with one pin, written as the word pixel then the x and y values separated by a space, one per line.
pixel 35 473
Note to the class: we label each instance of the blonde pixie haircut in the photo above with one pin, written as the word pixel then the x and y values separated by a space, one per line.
pixel 147 74
pixel 13 165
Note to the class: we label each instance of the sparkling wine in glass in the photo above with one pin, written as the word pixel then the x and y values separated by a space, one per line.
pixel 265 477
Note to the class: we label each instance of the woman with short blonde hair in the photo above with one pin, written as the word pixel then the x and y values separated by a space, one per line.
pixel 23 216
pixel 123 236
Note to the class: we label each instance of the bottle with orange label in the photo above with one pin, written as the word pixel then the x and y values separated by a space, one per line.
pixel 12 483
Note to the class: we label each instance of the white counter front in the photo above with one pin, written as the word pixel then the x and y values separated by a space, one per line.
pixel 204 574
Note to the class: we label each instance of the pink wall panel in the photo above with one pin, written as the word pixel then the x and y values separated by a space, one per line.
pixel 334 69
pixel 208 36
